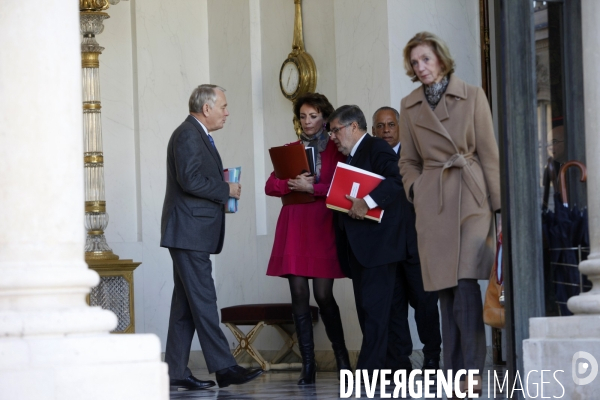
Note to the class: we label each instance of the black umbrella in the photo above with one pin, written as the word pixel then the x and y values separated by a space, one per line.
pixel 566 244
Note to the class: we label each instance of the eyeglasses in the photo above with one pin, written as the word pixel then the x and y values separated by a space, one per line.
pixel 554 142
pixel 335 131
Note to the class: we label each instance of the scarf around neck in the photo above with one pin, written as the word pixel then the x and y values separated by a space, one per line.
pixel 434 92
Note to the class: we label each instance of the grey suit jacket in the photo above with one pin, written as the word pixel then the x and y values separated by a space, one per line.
pixel 193 216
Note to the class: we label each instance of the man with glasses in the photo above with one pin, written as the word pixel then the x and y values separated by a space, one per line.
pixel 409 282
pixel 369 251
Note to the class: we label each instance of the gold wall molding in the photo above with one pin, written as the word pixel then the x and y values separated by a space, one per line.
pixel 90 60
pixel 93 5
pixel 96 206
pixel 95 159
pixel 96 5
pixel 92 106
pixel 103 255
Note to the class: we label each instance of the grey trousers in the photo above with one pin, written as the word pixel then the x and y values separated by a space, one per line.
pixel 463 333
pixel 194 308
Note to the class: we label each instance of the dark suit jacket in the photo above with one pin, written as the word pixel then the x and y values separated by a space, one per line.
pixel 372 243
pixel 408 226
pixel 193 216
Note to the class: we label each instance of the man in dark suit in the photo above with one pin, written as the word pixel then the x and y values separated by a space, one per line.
pixel 192 228
pixel 409 282
pixel 369 251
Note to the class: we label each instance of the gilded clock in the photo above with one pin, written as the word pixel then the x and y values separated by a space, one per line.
pixel 298 74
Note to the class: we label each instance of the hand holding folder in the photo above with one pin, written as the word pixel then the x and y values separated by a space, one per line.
pixel 356 182
pixel 358 209
pixel 232 175
pixel 289 162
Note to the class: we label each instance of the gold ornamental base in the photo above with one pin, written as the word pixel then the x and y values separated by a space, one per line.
pixel 115 291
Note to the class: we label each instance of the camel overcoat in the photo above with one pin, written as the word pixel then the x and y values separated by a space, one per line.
pixel 449 158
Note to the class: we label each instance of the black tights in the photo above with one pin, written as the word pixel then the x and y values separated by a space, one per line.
pixel 322 290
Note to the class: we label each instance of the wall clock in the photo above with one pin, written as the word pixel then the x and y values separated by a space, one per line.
pixel 298 74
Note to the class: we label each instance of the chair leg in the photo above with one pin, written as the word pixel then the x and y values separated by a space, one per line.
pixel 245 343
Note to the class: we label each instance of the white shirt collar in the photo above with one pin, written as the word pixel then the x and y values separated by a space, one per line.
pixel 397 147
pixel 202 125
pixel 356 145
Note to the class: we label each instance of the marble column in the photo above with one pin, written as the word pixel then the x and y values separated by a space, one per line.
pixel 572 344
pixel 52 345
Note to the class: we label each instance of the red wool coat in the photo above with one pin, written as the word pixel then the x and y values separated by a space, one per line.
pixel 304 237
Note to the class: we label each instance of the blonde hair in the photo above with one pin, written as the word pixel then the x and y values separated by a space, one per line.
pixel 438 46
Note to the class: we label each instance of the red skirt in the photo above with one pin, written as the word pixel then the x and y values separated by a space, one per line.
pixel 305 242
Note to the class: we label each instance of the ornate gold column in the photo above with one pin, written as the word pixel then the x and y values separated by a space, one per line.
pixel 115 291
pixel 96 218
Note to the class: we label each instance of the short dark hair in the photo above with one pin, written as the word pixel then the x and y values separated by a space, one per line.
pixel 316 100
pixel 386 108
pixel 348 114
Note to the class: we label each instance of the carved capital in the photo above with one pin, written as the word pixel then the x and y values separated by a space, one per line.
pixel 92 23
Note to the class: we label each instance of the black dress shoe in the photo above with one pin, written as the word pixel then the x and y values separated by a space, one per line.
pixel 431 363
pixel 190 383
pixel 236 375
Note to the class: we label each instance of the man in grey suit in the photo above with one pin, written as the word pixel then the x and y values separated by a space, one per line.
pixel 192 228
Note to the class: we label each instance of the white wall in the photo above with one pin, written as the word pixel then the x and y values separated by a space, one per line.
pixel 455 21
pixel 361 40
pixel 118 126
pixel 168 56
pixel 240 268
pixel 157 52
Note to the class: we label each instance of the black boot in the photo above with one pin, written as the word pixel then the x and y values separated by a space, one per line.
pixel 304 331
pixel 335 333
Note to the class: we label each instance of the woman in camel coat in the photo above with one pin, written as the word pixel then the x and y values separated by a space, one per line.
pixel 450 169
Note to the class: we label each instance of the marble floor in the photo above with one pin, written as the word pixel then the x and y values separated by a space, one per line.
pixel 282 385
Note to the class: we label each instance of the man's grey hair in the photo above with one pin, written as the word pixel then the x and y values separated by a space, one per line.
pixel 386 108
pixel 348 114
pixel 203 94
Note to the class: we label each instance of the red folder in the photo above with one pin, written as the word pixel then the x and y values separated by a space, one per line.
pixel 355 182
pixel 288 162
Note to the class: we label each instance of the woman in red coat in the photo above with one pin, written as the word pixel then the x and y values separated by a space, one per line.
pixel 304 246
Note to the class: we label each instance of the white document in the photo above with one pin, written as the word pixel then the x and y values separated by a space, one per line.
pixel 354 190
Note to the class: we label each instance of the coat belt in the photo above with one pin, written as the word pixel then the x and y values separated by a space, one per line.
pixel 458 161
